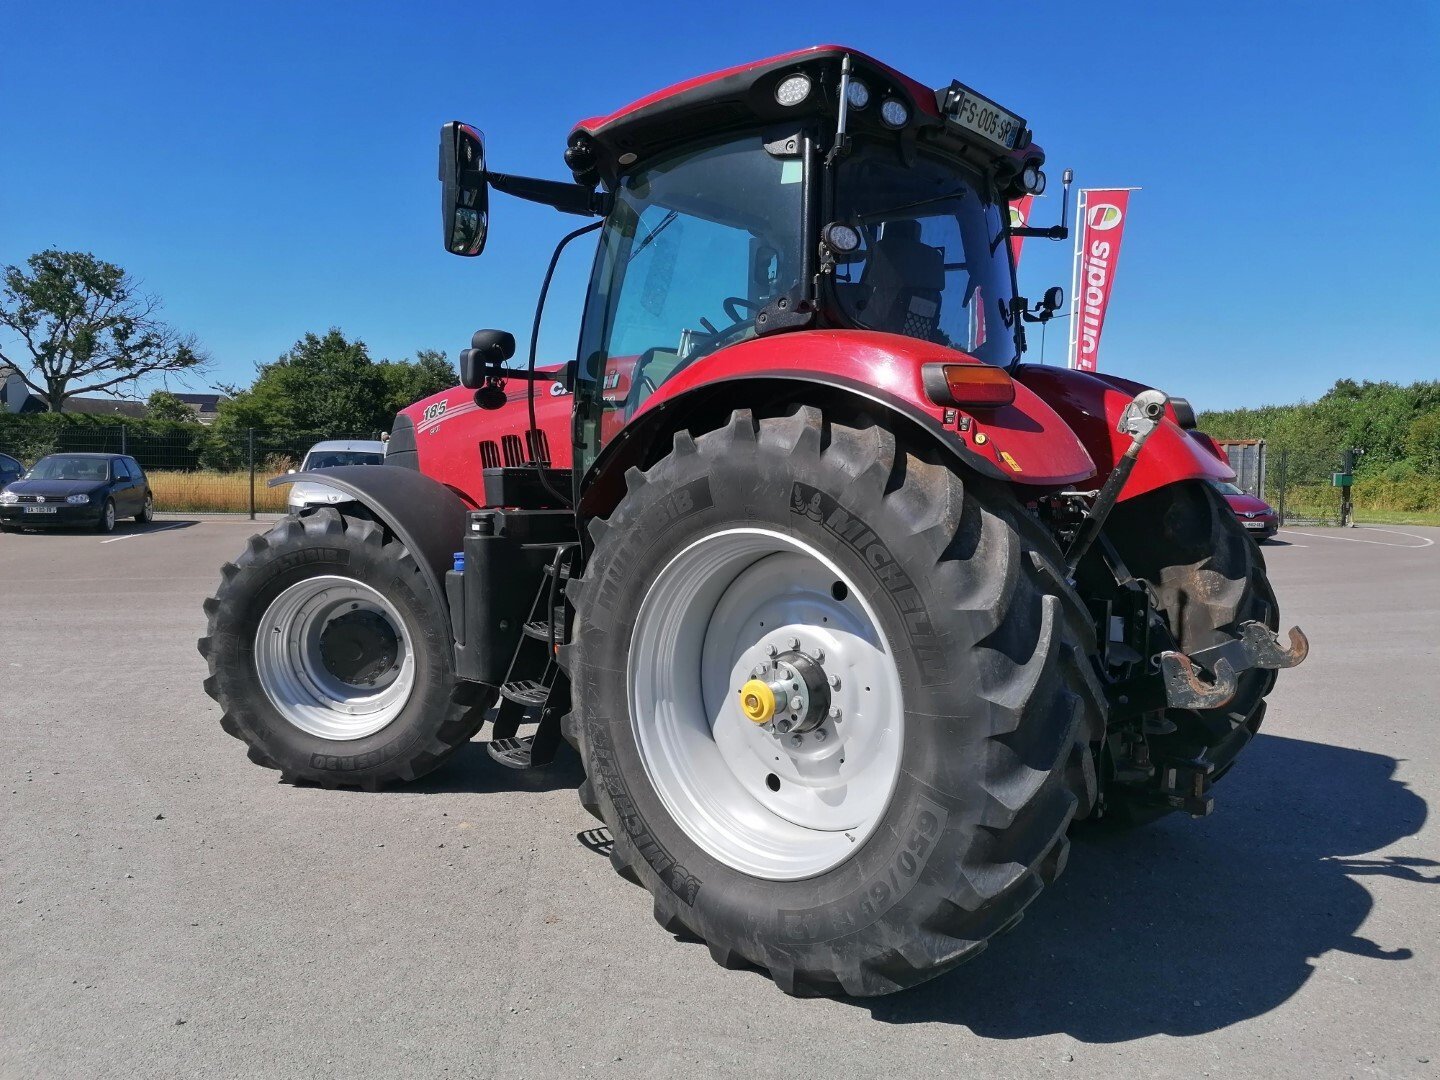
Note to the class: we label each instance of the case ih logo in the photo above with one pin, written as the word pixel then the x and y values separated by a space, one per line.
pixel 1103 216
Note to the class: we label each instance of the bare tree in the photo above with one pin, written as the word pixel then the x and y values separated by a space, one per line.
pixel 87 328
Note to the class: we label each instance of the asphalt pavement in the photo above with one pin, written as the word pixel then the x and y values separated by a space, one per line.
pixel 169 909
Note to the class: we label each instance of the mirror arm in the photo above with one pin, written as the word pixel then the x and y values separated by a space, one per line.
pixel 567 198
pixel 1053 232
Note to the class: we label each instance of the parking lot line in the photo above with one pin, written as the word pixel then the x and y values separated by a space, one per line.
pixel 147 532
pixel 1425 541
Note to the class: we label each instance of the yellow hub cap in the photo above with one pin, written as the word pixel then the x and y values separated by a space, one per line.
pixel 757 701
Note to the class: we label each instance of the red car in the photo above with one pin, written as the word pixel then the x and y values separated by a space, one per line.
pixel 1256 515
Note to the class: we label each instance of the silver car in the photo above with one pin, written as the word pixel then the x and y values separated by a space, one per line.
pixel 328 455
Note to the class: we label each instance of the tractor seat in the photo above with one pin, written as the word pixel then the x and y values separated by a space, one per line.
pixel 902 283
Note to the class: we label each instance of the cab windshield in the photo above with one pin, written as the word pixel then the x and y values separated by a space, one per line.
pixel 933 260
pixel 695 247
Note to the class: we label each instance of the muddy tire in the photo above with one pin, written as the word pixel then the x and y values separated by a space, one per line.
pixel 901 861
pixel 1209 577
pixel 329 660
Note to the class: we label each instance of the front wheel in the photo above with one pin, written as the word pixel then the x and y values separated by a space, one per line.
pixel 329 659
pixel 834 705
pixel 106 522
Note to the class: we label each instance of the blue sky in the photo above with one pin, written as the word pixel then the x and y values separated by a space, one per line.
pixel 269 168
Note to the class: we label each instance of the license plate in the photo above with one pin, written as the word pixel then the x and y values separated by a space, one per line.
pixel 1254 524
pixel 985 118
pixel 41 509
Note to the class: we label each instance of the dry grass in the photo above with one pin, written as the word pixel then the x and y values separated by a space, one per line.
pixel 214 492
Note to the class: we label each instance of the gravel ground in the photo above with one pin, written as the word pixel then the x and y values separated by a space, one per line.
pixel 168 909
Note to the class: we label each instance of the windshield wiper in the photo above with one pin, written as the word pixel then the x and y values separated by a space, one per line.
pixel 875 214
pixel 652 234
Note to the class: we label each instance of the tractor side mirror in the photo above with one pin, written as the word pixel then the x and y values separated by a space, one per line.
pixel 464 193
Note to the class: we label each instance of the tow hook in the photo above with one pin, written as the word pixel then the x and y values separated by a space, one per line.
pixel 1257 647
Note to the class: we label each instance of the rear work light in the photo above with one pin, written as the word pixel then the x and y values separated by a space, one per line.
pixel 976 385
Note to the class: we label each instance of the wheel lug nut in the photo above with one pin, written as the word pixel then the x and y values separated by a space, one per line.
pixel 819 656
pixel 757 671
pixel 799 704
pixel 771 651
pixel 835 682
pixel 796 740
pixel 782 726
pixel 795 643
pixel 834 713
pixel 820 734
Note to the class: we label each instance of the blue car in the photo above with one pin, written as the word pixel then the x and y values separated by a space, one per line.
pixel 88 490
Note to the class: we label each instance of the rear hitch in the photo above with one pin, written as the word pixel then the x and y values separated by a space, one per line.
pixel 1184 689
pixel 1257 647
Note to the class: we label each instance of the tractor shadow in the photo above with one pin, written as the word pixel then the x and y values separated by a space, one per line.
pixel 1185 927
pixel 472 771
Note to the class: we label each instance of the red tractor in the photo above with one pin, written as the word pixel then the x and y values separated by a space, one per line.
pixel 849 612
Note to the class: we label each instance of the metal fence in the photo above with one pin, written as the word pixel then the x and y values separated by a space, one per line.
pixel 201 471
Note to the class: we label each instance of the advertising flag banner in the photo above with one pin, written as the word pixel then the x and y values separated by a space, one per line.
pixel 1019 218
pixel 1103 212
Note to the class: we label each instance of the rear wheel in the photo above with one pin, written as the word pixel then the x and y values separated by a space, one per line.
pixel 837 706
pixel 147 510
pixel 330 661
pixel 1208 577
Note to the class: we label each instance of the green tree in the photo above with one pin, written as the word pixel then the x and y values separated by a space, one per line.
pixel 84 325
pixel 163 405
pixel 411 380
pixel 1422 444
pixel 322 384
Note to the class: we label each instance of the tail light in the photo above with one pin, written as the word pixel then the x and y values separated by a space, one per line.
pixel 979 386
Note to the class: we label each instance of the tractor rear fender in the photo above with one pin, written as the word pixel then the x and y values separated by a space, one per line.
pixel 1091 404
pixel 423 514
pixel 845 371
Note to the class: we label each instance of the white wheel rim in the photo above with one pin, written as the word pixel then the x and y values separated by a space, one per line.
pixel 293 672
pixel 744 792
pixel 109 515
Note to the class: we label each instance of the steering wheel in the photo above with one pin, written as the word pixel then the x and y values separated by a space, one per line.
pixel 732 303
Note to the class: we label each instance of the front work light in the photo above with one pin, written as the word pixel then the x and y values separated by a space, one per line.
pixel 1032 180
pixel 793 90
pixel 857 94
pixel 976 385
pixel 894 113
pixel 842 240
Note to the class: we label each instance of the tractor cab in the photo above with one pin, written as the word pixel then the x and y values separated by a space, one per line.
pixel 815 190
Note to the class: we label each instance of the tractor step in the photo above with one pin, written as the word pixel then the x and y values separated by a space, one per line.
pixel 513 753
pixel 527 692
pixel 539 629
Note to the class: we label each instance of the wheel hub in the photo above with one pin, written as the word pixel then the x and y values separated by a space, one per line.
pixel 358 647
pixel 791 692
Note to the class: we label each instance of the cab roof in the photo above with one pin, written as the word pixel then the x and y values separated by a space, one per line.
pixel 744 96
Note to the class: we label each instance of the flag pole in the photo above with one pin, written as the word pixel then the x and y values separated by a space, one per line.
pixel 1070 352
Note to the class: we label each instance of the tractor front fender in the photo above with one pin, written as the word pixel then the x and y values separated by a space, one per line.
pixel 423 514
pixel 843 371
pixel 1092 405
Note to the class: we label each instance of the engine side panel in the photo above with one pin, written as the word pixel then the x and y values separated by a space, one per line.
pixel 451 439
pixel 1025 443
pixel 1092 405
